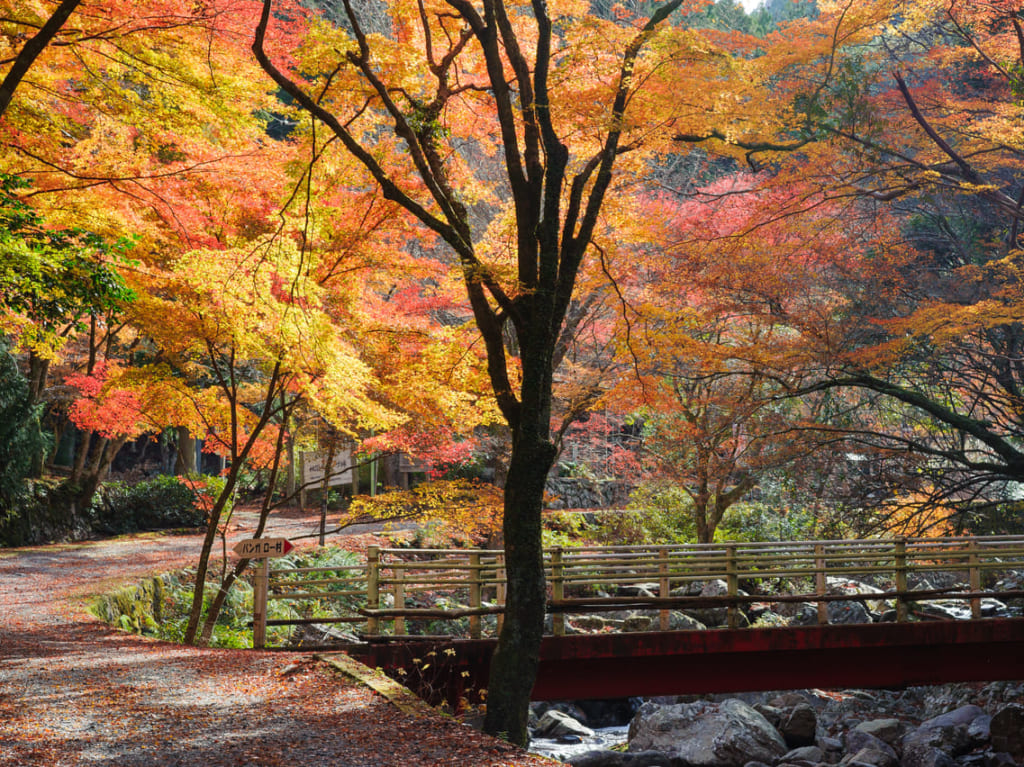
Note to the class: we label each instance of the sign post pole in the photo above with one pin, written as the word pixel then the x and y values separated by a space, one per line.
pixel 262 549
pixel 259 601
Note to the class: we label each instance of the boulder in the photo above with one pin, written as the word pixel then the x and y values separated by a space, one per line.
pixel 557 724
pixel 680 621
pixel 703 734
pixel 949 732
pixel 870 757
pixel 608 758
pixel 645 590
pixel 770 712
pixel 715 588
pixel 805 755
pixel 638 623
pixel 802 614
pixel 888 730
pixel 841 586
pixel 926 756
pixel 587 624
pixel 677 621
pixel 857 741
pixel 1000 759
pixel 1007 731
pixel 793 698
pixel 980 730
pixel 799 726
pixel 688 589
pixel 848 612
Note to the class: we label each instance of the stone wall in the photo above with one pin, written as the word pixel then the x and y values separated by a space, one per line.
pixel 583 493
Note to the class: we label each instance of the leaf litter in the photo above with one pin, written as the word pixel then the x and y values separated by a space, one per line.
pixel 74 691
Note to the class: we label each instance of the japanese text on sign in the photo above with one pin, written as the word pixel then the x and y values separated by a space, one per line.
pixel 260 548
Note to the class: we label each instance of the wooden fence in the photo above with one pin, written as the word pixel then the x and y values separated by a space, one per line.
pixel 398 587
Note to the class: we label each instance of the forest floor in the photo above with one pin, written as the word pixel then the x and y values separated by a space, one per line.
pixel 75 691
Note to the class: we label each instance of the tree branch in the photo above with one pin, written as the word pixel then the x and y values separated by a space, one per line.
pixel 32 49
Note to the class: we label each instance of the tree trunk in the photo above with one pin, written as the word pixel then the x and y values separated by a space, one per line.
pixel 81 455
pixel 185 461
pixel 515 661
pixel 84 483
pixel 203 566
pixel 290 485
pixel 517 656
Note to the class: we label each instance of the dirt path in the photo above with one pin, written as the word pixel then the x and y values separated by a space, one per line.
pixel 74 691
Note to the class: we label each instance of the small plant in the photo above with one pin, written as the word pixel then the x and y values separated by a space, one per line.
pixel 564 529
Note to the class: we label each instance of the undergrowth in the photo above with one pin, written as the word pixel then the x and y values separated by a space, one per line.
pixel 162 610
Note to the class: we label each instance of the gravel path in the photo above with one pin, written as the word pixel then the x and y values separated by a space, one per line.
pixel 74 691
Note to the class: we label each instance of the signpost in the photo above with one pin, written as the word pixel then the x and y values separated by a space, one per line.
pixel 263 549
pixel 314 468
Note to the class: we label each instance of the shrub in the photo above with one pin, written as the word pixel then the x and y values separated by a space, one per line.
pixel 159 503
pixel 658 514
pixel 161 605
pixel 761 522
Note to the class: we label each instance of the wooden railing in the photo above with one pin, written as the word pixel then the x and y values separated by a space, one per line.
pixel 469 584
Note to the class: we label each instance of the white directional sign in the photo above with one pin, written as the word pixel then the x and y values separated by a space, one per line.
pixel 262 548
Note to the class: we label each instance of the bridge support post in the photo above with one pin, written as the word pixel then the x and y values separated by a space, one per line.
pixel 820 583
pixel 475 593
pixel 900 556
pixel 261 588
pixel 664 587
pixel 373 588
pixel 499 597
pixel 974 572
pixel 399 595
pixel 732 581
pixel 557 591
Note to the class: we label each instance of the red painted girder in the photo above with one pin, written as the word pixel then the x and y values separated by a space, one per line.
pixel 869 655
pixel 681 662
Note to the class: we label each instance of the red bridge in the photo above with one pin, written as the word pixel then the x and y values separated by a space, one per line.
pixel 407 593
pixel 738 660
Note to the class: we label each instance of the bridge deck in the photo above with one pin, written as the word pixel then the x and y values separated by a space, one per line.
pixel 679 662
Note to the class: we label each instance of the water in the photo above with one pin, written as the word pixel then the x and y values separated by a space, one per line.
pixel 562 749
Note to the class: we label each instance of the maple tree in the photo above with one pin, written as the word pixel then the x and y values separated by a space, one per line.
pixel 720 284
pixel 890 122
pixel 117 129
pixel 457 81
pixel 138 118
pixel 222 317
pixel 924 124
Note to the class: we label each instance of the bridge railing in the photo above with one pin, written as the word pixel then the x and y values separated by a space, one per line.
pixel 431 587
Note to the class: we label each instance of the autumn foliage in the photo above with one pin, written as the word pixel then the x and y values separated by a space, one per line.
pixel 784 249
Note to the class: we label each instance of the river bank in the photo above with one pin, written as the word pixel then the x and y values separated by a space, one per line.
pixel 954 725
